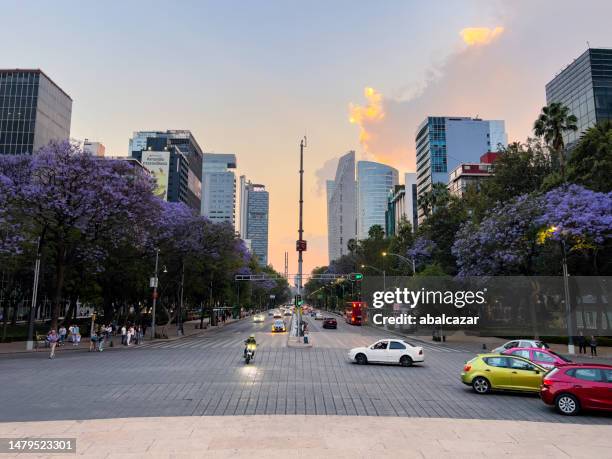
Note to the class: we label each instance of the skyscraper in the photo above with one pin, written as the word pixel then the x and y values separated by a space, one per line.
pixel 374 180
pixel 175 159
pixel 219 187
pixel 33 111
pixel 442 143
pixel 585 87
pixel 341 207
pixel 254 214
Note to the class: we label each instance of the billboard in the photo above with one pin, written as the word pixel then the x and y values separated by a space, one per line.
pixel 158 163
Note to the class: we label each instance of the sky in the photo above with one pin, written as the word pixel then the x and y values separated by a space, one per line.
pixel 252 78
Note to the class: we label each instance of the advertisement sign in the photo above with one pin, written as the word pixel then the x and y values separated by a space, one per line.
pixel 194 184
pixel 158 163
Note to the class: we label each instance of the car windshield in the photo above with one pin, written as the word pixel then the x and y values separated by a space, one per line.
pixel 278 323
pixel 565 359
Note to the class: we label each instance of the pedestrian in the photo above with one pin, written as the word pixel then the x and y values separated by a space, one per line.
pixel 76 335
pixel 52 338
pixel 62 335
pixel 139 336
pixel 130 334
pixel 93 341
pixel 581 343
pixel 124 335
pixel 593 343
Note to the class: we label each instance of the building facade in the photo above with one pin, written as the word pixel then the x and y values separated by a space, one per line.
pixel 93 148
pixel 442 143
pixel 374 180
pixel 33 111
pixel 175 159
pixel 471 174
pixel 341 208
pixel 254 218
pixel 219 188
pixel 402 205
pixel 585 87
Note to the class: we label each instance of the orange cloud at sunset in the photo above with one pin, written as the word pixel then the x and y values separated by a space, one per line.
pixel 474 36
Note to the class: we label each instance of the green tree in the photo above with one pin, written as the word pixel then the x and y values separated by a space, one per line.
pixel 436 197
pixel 591 161
pixel 554 120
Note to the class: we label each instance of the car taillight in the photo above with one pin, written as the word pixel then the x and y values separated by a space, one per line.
pixel 352 319
pixel 547 382
pixel 467 367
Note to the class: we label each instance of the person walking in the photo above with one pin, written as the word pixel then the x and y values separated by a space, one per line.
pixel 581 343
pixel 77 335
pixel 130 334
pixel 124 335
pixel 62 335
pixel 52 338
pixel 93 341
pixel 593 343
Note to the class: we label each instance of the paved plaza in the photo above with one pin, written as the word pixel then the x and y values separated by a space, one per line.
pixel 205 375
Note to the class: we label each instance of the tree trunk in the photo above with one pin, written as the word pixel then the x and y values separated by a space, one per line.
pixel 60 272
pixel 70 313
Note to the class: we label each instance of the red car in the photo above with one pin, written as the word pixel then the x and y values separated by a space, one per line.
pixel 577 386
pixel 543 357
pixel 330 322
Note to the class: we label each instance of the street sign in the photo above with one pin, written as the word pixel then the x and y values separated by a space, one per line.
pixel 300 245
pixel 153 282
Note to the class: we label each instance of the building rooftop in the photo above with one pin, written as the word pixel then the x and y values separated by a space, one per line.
pixel 40 72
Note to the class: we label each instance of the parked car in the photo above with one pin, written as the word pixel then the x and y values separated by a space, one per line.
pixel 330 322
pixel 543 357
pixel 388 351
pixel 487 372
pixel 278 326
pixel 521 343
pixel 577 386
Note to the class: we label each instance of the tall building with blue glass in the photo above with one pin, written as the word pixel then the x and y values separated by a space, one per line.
pixel 442 143
pixel 585 87
pixel 254 214
pixel 374 180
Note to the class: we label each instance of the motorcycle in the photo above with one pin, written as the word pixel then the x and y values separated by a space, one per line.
pixel 250 352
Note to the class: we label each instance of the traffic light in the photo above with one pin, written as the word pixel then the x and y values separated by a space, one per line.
pixel 298 300
pixel 355 277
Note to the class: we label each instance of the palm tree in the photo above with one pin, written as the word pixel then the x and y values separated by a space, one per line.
pixel 554 120
pixel 438 196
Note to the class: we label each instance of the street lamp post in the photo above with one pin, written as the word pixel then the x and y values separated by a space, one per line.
pixel 155 281
pixel 568 308
pixel 407 260
pixel 380 271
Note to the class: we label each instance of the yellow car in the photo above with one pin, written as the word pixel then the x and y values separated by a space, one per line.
pixel 278 326
pixel 487 372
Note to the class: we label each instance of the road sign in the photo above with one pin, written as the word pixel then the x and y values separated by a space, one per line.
pixel 153 282
pixel 300 245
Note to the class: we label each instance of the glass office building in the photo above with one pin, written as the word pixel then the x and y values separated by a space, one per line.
pixel 442 143
pixel 254 214
pixel 585 87
pixel 33 111
pixel 219 187
pixel 175 159
pixel 374 180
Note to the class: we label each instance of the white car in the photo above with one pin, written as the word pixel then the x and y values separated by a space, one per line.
pixel 278 315
pixel 520 343
pixel 388 351
pixel 258 318
pixel 318 316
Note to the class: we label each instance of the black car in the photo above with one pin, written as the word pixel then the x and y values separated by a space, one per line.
pixel 330 322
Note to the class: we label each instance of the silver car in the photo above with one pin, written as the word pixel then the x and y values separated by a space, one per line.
pixel 520 343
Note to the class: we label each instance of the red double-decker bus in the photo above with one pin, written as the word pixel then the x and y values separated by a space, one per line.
pixel 355 313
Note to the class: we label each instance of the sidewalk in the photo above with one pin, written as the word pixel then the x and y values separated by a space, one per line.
pixel 317 436
pixel 190 328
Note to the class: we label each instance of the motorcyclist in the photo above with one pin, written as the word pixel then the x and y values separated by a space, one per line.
pixel 250 340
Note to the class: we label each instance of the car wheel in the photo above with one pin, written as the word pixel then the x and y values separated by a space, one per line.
pixel 567 404
pixel 406 361
pixel 361 359
pixel 481 385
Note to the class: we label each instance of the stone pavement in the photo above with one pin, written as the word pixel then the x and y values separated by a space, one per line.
pixel 316 437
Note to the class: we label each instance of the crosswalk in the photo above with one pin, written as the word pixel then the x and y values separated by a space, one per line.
pixel 269 341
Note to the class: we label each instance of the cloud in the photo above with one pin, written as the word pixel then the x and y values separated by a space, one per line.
pixel 326 172
pixel 474 36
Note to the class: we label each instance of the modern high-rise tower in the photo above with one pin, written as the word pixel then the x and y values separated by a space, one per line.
pixel 254 214
pixel 341 207
pixel 442 143
pixel 219 187
pixel 585 87
pixel 33 111
pixel 374 180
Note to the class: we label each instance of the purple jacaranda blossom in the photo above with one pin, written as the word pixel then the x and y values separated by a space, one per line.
pixel 577 215
pixel 421 251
